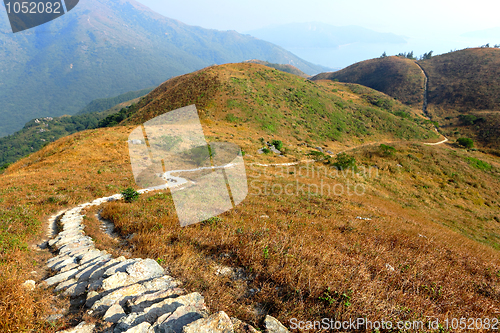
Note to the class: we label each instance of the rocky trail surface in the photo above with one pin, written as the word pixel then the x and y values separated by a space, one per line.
pixel 127 295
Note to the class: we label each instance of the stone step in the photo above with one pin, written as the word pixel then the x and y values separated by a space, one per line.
pixel 218 322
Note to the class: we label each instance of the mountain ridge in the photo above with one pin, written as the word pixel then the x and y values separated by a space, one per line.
pixel 461 84
pixel 104 48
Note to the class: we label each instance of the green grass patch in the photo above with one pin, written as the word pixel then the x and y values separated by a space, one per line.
pixel 232 118
pixel 478 164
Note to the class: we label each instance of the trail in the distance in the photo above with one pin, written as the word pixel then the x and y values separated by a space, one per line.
pixel 426 90
pixel 425 104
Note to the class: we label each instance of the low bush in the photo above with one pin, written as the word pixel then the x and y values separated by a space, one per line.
pixel 130 195
pixel 387 150
pixel 344 161
pixel 478 164
pixel 465 142
pixel 277 144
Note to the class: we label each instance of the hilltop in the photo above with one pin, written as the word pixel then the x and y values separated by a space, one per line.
pixel 103 48
pixel 411 227
pixel 465 80
pixel 253 98
pixel 284 68
pixel 398 77
pixel 466 84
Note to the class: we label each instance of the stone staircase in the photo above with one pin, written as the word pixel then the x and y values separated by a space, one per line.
pixel 128 295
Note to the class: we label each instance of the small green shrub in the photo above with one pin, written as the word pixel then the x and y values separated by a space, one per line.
pixel 277 144
pixel 213 221
pixel 130 195
pixel 266 151
pixel 232 118
pixel 465 142
pixel 318 156
pixel 387 150
pixel 344 161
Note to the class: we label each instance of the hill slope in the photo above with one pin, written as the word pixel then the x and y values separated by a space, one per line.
pixel 415 229
pixel 103 48
pixel 397 77
pixel 464 80
pixel 460 83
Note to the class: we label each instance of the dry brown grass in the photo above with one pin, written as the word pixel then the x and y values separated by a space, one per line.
pixel 94 228
pixel 20 308
pixel 309 243
pixel 73 170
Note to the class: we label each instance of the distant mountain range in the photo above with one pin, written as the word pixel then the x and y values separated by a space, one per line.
pixel 493 34
pixel 321 35
pixel 327 44
pixel 103 48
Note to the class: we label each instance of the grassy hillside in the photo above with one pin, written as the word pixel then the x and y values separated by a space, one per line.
pixel 398 77
pixel 465 80
pixel 413 233
pixel 421 239
pixel 253 97
pixel 462 84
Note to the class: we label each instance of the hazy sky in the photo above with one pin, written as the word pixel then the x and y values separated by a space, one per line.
pixel 423 18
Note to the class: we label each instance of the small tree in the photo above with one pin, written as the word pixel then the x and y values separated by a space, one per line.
pixel 383 55
pixel 467 119
pixel 266 151
pixel 130 194
pixel 344 161
pixel 277 144
pixel 426 56
pixel 465 142
pixel 387 150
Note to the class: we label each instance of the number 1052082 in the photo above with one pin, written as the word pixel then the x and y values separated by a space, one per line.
pixel 34 7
